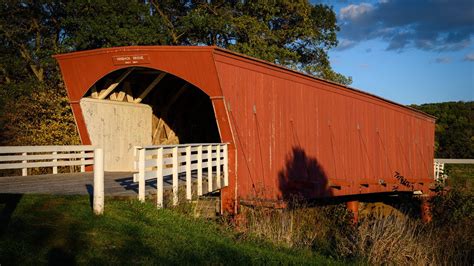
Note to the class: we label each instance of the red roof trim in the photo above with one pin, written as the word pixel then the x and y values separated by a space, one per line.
pixel 241 57
pixel 311 77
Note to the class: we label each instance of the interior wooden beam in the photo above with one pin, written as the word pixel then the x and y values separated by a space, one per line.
pixel 104 93
pixel 164 113
pixel 176 96
pixel 149 88
pixel 128 91
pixel 113 96
pixel 120 96
pixel 94 93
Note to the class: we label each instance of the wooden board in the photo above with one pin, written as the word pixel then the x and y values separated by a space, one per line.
pixel 115 184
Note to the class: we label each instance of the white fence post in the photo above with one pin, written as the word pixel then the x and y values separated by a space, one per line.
pixel 209 168
pixel 141 175
pixel 55 168
pixel 226 166
pixel 83 167
pixel 438 174
pixel 218 167
pixel 159 179
pixel 175 176
pixel 24 171
pixel 98 199
pixel 188 173
pixel 199 170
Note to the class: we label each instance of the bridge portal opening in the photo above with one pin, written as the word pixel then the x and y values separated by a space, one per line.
pixel 139 106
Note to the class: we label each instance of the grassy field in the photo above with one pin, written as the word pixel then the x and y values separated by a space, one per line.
pixel 61 229
pixel 460 175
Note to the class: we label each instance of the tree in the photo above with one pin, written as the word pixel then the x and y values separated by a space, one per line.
pixel 295 34
pixel 454 133
pixel 34 108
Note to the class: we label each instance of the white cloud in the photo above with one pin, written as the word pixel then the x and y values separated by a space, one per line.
pixel 353 12
pixel 423 24
pixel 345 44
pixel 443 60
pixel 469 57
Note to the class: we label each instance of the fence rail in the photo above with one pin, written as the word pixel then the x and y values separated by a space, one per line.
pixel 24 157
pixel 173 160
pixel 439 163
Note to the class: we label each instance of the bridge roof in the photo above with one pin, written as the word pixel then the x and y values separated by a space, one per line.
pixel 196 64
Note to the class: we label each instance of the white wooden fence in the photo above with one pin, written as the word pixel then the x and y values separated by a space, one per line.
pixel 439 174
pixel 24 157
pixel 439 171
pixel 172 160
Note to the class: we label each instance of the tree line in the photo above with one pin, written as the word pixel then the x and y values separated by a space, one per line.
pixel 454 133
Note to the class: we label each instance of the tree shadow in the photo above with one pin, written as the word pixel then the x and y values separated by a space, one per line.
pixel 11 202
pixel 302 177
pixel 90 192
pixel 59 256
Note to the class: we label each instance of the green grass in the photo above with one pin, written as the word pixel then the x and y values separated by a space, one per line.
pixel 62 230
pixel 460 175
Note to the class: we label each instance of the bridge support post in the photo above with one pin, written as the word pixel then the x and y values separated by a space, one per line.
pixel 425 209
pixel 98 199
pixel 353 206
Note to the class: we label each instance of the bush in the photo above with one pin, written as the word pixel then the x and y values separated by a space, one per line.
pixel 42 117
pixel 452 226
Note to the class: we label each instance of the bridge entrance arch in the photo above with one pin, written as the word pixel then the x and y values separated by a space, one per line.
pixel 139 106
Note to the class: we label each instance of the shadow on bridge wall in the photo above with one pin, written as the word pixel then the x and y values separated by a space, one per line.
pixel 302 177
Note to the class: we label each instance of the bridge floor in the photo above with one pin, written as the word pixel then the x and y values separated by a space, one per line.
pixel 115 184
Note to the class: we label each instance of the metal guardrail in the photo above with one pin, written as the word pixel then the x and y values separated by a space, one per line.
pixel 24 157
pixel 165 160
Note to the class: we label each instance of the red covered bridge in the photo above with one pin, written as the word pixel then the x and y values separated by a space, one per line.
pixel 288 133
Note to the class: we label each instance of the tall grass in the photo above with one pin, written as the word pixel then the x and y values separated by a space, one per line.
pixel 394 239
pixel 379 238
pixel 325 229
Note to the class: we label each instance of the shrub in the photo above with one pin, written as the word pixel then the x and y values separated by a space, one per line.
pixel 452 226
pixel 43 117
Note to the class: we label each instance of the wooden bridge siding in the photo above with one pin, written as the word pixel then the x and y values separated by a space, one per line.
pixel 351 134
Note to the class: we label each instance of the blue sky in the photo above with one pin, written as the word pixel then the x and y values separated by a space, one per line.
pixel 408 51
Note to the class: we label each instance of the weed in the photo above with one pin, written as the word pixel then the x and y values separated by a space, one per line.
pixel 325 229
